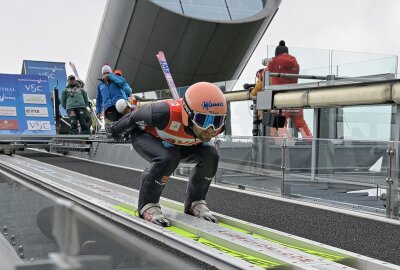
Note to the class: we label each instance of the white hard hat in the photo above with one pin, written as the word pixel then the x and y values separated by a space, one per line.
pixel 121 105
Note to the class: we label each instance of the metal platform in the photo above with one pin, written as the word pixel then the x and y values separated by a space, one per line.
pixel 230 244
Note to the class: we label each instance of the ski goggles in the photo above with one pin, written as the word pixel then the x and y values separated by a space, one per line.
pixel 205 121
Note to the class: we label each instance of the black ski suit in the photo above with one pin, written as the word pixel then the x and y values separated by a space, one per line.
pixel 165 156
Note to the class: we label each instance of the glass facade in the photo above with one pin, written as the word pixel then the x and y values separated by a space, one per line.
pixel 214 9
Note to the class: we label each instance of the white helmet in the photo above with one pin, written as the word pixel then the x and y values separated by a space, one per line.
pixel 121 105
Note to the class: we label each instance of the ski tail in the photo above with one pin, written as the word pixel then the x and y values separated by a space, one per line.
pixel 74 70
pixel 167 73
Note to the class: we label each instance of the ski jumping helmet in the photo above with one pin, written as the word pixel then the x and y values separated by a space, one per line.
pixel 205 105
pixel 122 106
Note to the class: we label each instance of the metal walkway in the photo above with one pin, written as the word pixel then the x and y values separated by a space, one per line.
pixel 230 244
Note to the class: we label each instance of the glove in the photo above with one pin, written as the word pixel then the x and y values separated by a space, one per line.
pixel 110 134
pixel 152 213
pixel 199 209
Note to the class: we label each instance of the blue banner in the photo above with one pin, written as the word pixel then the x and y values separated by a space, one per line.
pixel 54 71
pixel 26 105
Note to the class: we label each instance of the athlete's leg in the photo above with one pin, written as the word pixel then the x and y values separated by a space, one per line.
pixel 206 157
pixel 164 159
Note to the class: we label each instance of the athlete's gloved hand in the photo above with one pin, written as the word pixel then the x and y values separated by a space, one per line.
pixel 152 213
pixel 199 209
pixel 110 133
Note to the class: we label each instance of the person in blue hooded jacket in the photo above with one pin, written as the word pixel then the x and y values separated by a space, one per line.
pixel 109 91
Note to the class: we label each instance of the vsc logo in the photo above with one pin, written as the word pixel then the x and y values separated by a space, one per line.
pixel 39 125
pixel 33 88
pixel 49 75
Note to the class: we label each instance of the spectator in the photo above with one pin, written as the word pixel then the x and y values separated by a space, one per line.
pixel 123 106
pixel 283 62
pixel 273 132
pixel 122 83
pixel 74 100
pixel 126 87
pixel 109 91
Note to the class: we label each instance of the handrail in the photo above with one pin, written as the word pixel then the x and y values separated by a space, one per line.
pixel 360 93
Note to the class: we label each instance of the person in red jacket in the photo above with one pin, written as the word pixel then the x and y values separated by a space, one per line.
pixel 168 132
pixel 283 62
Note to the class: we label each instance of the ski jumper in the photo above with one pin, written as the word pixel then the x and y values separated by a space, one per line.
pixel 159 136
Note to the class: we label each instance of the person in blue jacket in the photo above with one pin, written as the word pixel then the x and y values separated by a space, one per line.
pixel 125 86
pixel 110 89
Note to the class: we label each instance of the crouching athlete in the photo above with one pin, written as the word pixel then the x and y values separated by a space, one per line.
pixel 168 132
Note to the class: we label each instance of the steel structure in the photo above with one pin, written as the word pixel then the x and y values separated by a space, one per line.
pixel 198 48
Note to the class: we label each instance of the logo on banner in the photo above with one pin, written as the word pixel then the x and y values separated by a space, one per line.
pixel 7 89
pixel 8 111
pixel 34 98
pixel 36 111
pixel 38 125
pixel 8 125
pixel 49 75
pixel 4 98
pixel 53 69
pixel 33 88
pixel 32 80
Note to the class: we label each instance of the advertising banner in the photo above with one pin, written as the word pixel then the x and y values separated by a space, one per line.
pixel 26 105
pixel 54 71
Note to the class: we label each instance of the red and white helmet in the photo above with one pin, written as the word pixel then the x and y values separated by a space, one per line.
pixel 205 105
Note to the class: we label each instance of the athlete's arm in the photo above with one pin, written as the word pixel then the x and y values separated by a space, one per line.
pixel 155 115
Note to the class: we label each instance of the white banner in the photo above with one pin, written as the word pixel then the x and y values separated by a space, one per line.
pixel 36 111
pixel 34 98
pixel 8 111
pixel 38 125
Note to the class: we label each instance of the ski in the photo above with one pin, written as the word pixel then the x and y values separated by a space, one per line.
pixel 74 70
pixel 167 73
pixel 91 110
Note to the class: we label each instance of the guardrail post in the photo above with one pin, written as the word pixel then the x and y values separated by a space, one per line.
pixel 283 165
pixel 314 144
pixel 392 203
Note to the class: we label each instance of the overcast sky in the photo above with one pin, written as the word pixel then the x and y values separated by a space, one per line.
pixel 66 30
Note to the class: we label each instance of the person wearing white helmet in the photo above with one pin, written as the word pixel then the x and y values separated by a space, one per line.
pixel 109 91
pixel 123 106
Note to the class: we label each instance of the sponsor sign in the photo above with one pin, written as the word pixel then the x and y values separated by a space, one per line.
pixel 8 90
pixel 34 98
pixel 54 71
pixel 4 98
pixel 36 111
pixel 8 111
pixel 38 125
pixel 26 104
pixel 8 125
